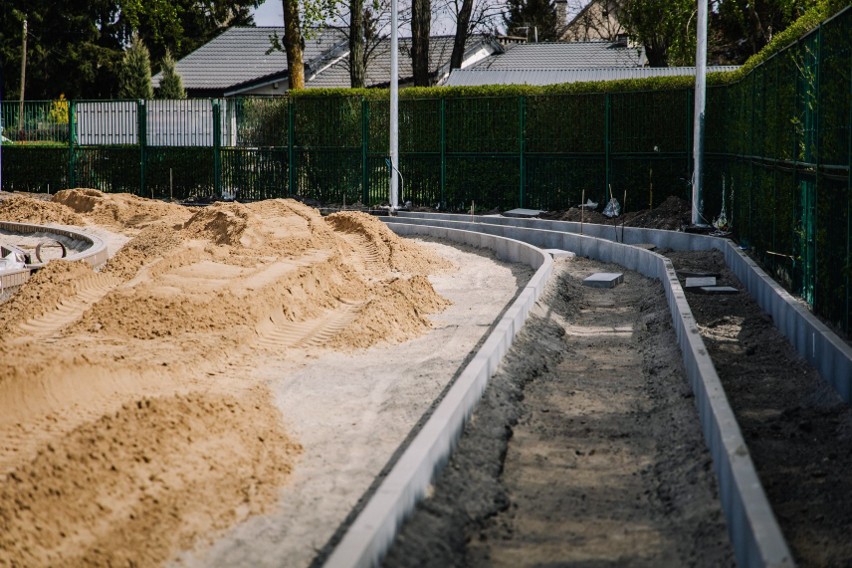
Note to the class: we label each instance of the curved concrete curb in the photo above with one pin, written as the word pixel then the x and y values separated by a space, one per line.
pixel 813 340
pixel 95 254
pixel 374 529
pixel 752 526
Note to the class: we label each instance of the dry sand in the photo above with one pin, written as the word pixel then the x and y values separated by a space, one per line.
pixel 136 414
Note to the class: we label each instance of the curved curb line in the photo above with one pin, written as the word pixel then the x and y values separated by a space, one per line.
pixel 812 339
pixel 752 527
pixel 95 254
pixel 374 529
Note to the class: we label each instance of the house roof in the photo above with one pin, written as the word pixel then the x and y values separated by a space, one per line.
pixel 239 56
pixel 237 60
pixel 378 69
pixel 476 77
pixel 565 55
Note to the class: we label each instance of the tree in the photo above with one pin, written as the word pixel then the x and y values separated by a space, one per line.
pixel 531 19
pixel 134 78
pixel 666 28
pixel 357 64
pixel 171 85
pixel 421 22
pixel 77 46
pixel 293 44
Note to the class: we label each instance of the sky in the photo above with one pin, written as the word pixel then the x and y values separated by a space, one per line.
pixel 270 13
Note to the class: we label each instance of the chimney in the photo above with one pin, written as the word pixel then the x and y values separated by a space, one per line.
pixel 561 13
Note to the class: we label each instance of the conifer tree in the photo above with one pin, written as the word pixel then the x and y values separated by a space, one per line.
pixel 531 19
pixel 134 78
pixel 171 85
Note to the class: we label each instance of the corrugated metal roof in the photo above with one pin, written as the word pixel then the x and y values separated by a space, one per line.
pixel 477 77
pixel 239 56
pixel 565 55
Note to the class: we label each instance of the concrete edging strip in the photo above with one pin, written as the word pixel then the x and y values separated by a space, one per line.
pixel 373 531
pixel 752 526
pixel 812 339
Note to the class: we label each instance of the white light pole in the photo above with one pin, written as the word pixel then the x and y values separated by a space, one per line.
pixel 698 123
pixel 394 108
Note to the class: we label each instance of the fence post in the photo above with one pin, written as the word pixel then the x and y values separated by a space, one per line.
pixel 217 148
pixel 522 107
pixel 365 142
pixel 72 140
pixel 142 122
pixel 443 154
pixel 606 142
pixel 291 169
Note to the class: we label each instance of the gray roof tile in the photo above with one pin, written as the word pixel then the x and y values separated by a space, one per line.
pixel 564 55
pixel 239 56
pixel 477 77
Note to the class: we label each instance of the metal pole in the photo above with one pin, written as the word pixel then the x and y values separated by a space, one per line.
pixel 700 94
pixel 394 106
pixel 23 76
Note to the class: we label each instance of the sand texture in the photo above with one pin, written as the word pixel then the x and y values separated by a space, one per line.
pixel 133 420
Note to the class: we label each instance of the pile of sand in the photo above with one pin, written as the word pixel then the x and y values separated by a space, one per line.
pixel 130 420
pixel 20 209
pixel 123 211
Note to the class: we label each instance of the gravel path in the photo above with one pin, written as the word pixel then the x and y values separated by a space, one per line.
pixel 586 449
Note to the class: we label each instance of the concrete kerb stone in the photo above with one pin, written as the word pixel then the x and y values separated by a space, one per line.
pixel 754 531
pixel 372 532
pixel 95 254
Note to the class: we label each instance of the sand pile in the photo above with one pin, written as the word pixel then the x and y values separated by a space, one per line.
pixel 123 210
pixel 146 367
pixel 131 486
pixel 20 209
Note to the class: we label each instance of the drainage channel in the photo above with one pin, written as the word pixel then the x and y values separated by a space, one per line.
pixel 754 532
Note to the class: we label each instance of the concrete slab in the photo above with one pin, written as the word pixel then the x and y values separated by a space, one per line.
pixel 646 246
pixel 559 253
pixel 700 282
pixel 604 280
pixel 523 213
pixel 718 290
pixel 694 274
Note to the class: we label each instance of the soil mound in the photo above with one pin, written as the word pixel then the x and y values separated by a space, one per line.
pixel 672 214
pixel 121 210
pixel 20 209
pixel 135 486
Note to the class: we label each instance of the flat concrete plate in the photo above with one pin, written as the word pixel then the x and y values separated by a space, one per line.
pixel 646 246
pixel 694 274
pixel 558 253
pixel 718 290
pixel 700 282
pixel 604 279
pixel 523 213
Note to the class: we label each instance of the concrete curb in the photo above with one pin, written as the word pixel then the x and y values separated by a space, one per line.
pixel 374 529
pixel 812 339
pixel 752 526
pixel 95 254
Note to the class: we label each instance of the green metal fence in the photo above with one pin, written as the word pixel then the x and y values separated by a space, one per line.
pixel 777 151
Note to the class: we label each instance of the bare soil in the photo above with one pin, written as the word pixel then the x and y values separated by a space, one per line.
pixel 796 426
pixel 586 449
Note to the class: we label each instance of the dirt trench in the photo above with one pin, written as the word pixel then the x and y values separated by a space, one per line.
pixel 586 449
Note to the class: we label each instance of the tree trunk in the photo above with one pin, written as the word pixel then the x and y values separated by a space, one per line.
pixel 356 43
pixel 461 34
pixel 421 19
pixel 293 44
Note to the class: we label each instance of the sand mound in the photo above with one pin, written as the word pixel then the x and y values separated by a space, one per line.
pixel 189 305
pixel 121 210
pixel 135 486
pixel 43 293
pixel 385 245
pixel 20 209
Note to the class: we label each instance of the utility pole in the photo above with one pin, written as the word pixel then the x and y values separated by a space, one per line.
pixel 698 128
pixel 394 108
pixel 23 75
